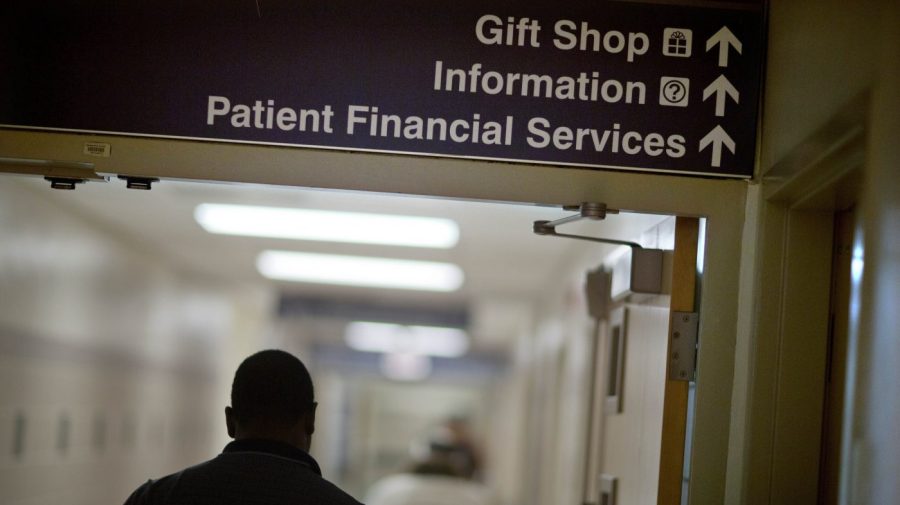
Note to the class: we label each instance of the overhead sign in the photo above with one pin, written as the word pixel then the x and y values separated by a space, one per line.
pixel 611 85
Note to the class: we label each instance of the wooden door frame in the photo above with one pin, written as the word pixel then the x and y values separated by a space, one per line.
pixel 675 401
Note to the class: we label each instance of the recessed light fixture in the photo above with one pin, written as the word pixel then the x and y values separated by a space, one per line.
pixel 360 271
pixel 327 226
pixel 392 338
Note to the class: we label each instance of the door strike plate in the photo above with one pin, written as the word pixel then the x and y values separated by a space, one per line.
pixel 683 345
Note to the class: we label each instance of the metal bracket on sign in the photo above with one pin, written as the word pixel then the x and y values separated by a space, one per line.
pixel 142 183
pixel 683 345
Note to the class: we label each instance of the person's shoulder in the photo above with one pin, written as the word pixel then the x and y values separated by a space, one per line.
pixel 141 495
pixel 216 478
pixel 291 477
pixel 153 491
pixel 337 495
pixel 159 490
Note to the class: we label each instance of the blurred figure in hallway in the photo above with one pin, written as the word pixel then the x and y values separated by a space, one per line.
pixel 461 437
pixel 440 475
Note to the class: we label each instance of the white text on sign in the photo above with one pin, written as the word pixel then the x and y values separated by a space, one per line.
pixel 568 35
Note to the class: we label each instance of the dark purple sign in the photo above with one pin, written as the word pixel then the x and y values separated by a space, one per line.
pixel 613 85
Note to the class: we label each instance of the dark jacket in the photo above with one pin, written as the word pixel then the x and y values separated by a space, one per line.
pixel 248 472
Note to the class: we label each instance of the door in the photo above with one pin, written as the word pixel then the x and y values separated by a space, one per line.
pixel 640 414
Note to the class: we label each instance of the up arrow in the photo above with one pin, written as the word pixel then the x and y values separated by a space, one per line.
pixel 717 137
pixel 721 87
pixel 724 38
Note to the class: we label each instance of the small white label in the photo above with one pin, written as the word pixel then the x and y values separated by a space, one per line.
pixel 98 149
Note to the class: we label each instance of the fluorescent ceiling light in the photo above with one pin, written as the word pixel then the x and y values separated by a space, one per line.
pixel 359 271
pixel 400 339
pixel 327 226
pixel 406 367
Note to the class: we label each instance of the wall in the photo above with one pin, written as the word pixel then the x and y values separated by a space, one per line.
pixel 873 416
pixel 830 108
pixel 112 362
pixel 822 53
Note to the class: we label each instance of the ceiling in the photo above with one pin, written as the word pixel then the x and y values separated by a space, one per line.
pixel 507 267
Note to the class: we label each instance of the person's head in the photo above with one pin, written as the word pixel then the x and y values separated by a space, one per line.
pixel 272 399
pixel 458 426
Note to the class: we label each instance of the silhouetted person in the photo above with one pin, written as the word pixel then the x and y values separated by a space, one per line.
pixel 272 419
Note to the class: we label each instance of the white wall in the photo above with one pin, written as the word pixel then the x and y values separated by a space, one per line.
pixel 105 337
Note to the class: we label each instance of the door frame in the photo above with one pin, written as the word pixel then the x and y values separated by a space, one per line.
pixel 721 202
pixel 792 212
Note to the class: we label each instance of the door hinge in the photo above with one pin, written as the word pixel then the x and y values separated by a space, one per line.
pixel 683 345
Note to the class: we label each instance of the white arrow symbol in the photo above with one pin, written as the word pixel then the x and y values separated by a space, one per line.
pixel 724 38
pixel 717 137
pixel 721 87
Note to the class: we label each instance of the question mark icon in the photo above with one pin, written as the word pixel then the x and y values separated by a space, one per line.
pixel 674 91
